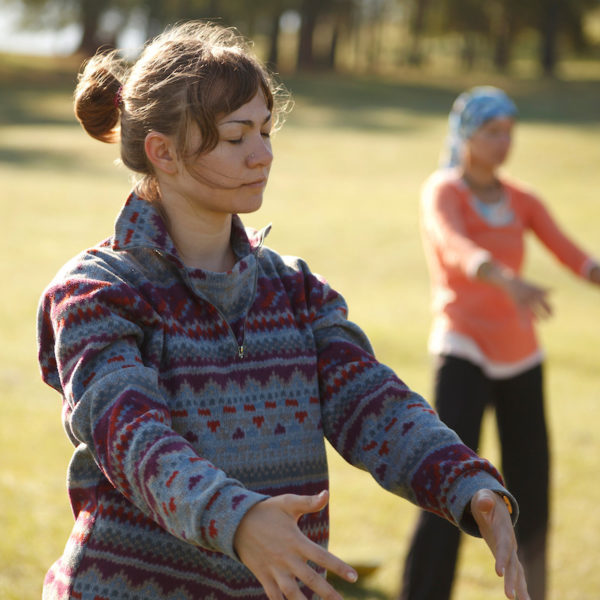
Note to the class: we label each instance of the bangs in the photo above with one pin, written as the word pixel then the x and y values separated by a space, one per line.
pixel 225 83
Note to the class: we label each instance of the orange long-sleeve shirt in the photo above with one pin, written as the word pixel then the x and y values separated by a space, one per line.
pixel 457 239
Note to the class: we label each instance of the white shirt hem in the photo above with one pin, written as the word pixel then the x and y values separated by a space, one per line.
pixel 462 346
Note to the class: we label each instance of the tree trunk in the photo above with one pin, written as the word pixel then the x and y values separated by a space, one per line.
pixel 343 18
pixel 273 57
pixel 91 11
pixel 309 13
pixel 503 39
pixel 417 26
pixel 549 36
pixel 335 36
pixel 468 52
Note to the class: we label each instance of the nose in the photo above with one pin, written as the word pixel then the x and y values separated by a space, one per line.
pixel 261 155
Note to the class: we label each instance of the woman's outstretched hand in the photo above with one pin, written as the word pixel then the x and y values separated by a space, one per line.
pixel 529 296
pixel 494 522
pixel 526 295
pixel 269 542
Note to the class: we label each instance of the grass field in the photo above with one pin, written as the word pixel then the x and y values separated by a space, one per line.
pixel 343 194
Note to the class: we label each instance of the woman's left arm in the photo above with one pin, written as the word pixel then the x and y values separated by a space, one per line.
pixel 377 423
pixel 543 224
pixel 491 513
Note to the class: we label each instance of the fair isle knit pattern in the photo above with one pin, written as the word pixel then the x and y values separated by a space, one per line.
pixel 189 396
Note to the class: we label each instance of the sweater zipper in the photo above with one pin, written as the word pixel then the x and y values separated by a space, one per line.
pixel 239 344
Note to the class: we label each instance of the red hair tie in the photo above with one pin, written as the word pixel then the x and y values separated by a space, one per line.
pixel 118 99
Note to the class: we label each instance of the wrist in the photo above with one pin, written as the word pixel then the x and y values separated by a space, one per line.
pixel 594 274
pixel 495 274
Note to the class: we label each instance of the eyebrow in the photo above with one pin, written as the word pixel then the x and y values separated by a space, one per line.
pixel 246 122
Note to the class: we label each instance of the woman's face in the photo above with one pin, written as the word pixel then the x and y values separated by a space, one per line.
pixel 232 177
pixel 489 146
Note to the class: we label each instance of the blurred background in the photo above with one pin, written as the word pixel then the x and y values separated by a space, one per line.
pixel 339 35
pixel 373 81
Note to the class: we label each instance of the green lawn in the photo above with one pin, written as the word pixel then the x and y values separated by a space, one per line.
pixel 343 194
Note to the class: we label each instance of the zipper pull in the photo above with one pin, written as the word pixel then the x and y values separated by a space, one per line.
pixel 241 351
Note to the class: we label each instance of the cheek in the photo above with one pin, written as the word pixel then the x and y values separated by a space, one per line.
pixel 214 166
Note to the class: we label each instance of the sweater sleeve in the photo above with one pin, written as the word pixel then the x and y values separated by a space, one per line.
pixel 541 222
pixel 443 223
pixel 380 425
pixel 90 331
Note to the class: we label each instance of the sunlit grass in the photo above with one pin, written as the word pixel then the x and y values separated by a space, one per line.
pixel 344 195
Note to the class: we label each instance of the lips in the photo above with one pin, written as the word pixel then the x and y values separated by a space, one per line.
pixel 257 183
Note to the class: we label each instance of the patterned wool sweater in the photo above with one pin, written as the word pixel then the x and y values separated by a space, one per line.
pixel 189 396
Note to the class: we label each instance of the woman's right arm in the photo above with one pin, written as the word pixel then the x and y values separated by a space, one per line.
pixel 90 333
pixel 443 225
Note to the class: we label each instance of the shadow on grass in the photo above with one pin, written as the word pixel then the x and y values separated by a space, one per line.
pixel 353 99
pixel 393 105
pixel 356 591
pixel 25 106
pixel 26 158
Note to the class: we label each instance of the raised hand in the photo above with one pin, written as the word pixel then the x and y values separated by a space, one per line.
pixel 491 515
pixel 269 542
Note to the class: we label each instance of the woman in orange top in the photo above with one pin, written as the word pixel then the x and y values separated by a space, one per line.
pixel 483 336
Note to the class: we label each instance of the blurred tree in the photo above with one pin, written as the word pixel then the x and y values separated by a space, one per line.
pixel 471 19
pixel 548 16
pixel 418 10
pixel 309 12
pixel 490 29
pixel 101 21
pixel 560 19
pixel 331 18
pixel 506 21
pixel 501 21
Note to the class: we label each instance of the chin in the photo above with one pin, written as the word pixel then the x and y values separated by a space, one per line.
pixel 250 206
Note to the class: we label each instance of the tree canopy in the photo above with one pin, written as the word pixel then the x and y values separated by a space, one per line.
pixel 489 29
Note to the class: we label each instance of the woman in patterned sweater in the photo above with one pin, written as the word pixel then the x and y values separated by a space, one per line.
pixel 474 223
pixel 201 372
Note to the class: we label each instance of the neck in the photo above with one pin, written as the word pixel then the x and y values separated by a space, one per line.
pixel 480 179
pixel 203 247
pixel 201 238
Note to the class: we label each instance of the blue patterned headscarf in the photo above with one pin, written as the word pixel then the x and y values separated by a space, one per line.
pixel 469 112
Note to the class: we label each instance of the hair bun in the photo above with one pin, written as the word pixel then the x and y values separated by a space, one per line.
pixel 98 97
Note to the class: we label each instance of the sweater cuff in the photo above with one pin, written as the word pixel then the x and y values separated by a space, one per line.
pixel 223 515
pixel 465 488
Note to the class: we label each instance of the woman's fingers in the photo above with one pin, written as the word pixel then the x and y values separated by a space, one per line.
pixel 495 525
pixel 269 542
pixel 325 559
pixel 312 580
pixel 530 297
pixel 514 579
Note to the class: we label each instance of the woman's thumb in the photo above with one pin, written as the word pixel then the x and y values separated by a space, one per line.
pixel 309 504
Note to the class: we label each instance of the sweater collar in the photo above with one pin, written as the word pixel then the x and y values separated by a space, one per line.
pixel 140 225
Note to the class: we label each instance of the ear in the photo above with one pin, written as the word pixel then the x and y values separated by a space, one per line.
pixel 161 152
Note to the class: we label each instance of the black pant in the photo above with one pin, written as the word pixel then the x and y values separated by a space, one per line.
pixel 462 392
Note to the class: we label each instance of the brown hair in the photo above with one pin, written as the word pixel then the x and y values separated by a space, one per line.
pixel 189 75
